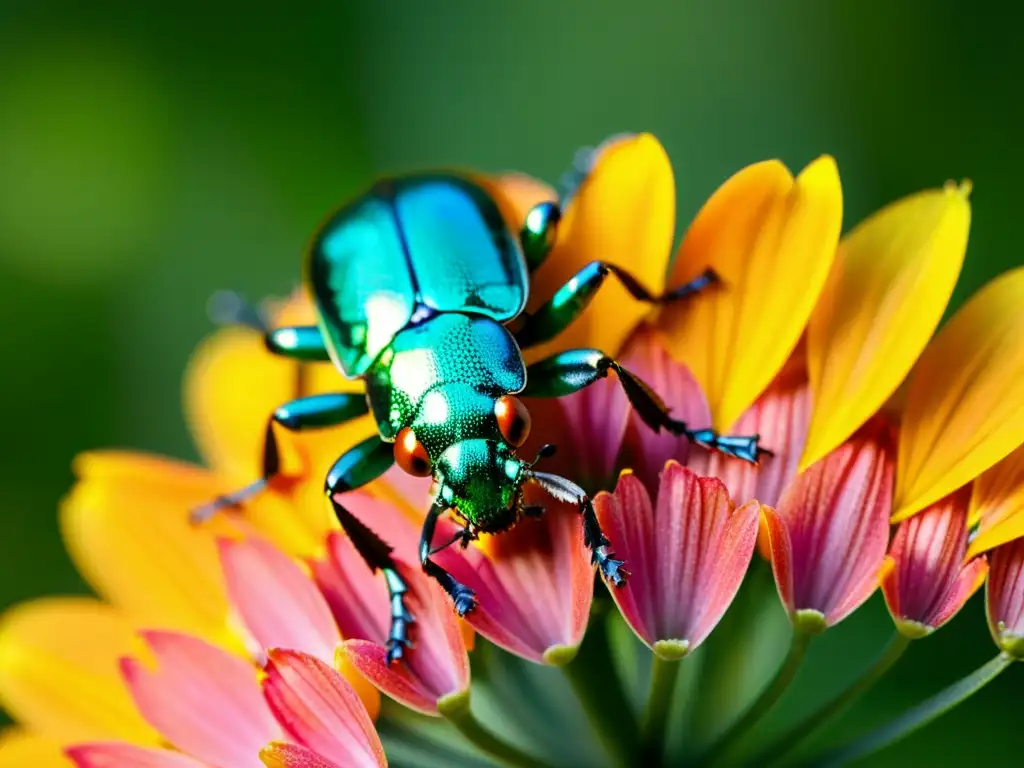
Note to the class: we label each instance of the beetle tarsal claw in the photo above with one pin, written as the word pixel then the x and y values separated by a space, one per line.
pixel 464 599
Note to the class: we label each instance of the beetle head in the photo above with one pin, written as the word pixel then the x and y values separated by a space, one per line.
pixel 482 481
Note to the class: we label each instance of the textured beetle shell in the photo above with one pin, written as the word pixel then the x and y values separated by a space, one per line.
pixel 442 378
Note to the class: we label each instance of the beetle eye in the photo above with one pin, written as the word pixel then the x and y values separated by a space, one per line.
pixel 513 420
pixel 410 454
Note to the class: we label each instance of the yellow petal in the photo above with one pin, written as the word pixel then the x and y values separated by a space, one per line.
pixel 21 749
pixel 59 670
pixel 125 524
pixel 997 505
pixel 881 304
pixel 965 398
pixel 623 213
pixel 232 386
pixel 772 240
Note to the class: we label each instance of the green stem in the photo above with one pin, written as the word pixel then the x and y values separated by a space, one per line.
pixel 602 713
pixel 727 742
pixel 664 676
pixel 789 740
pixel 456 710
pixel 918 716
pixel 598 688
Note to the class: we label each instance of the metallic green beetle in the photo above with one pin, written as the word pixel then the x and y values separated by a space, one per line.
pixel 414 283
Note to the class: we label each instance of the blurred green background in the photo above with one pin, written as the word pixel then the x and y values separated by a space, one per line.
pixel 151 154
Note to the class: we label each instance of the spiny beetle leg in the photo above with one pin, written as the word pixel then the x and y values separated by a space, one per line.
pixel 572 370
pixel 354 469
pixel 462 596
pixel 613 570
pixel 398 635
pixel 314 412
pixel 575 296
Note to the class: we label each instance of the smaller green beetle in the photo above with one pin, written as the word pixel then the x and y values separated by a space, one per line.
pixel 414 283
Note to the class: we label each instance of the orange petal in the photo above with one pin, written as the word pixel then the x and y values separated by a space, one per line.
pixel 965 398
pixel 22 749
pixel 881 304
pixel 771 239
pixel 997 505
pixel 126 527
pixel 623 213
pixel 516 194
pixel 59 670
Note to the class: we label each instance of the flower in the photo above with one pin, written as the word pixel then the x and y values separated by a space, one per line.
pixel 692 551
pixel 827 540
pixel 925 581
pixel 211 706
pixel 261 636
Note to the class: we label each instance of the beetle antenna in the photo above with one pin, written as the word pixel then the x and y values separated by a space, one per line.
pixel 546 452
pixel 229 308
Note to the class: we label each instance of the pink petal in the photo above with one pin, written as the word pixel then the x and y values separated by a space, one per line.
pixel 829 534
pixel 202 700
pixel 535 584
pixel 399 485
pixel 688 555
pixel 112 754
pixel 646 451
pixel 358 598
pixel 320 710
pixel 926 582
pixel 587 428
pixel 435 667
pixel 278 603
pixel 781 416
pixel 1005 597
pixel 281 754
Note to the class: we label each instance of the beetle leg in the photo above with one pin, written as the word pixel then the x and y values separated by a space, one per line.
pixel 359 466
pixel 613 570
pixel 574 369
pixel 314 412
pixel 538 233
pixel 463 597
pixel 299 342
pixel 571 299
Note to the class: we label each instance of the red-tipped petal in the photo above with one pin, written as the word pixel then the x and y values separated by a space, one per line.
pixel 1004 599
pixel 202 700
pixel 780 416
pixel 113 754
pixel 688 554
pixel 320 710
pixel 435 666
pixel 281 754
pixel 925 581
pixel 438 664
pixel 829 533
pixel 535 585
pixel 276 601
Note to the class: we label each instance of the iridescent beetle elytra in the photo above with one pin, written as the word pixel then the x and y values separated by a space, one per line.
pixel 414 283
